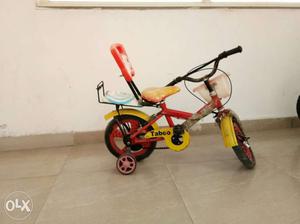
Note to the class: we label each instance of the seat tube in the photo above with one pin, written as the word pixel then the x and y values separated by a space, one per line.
pixel 168 118
pixel 170 121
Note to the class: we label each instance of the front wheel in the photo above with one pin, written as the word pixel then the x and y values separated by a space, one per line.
pixel 243 150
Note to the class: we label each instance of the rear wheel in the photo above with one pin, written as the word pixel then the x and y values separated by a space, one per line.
pixel 243 150
pixel 130 124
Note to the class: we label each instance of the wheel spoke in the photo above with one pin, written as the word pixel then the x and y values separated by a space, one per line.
pixel 117 133
pixel 128 125
pixel 134 126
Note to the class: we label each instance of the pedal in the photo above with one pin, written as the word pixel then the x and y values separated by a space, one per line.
pixel 178 130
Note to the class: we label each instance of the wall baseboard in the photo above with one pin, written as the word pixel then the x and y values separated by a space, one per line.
pixel 92 137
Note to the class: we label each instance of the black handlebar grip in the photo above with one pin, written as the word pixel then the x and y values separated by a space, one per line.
pixel 225 54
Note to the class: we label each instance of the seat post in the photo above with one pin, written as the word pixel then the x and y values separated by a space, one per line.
pixel 135 87
pixel 134 90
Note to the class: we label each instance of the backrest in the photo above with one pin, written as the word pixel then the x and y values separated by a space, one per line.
pixel 120 56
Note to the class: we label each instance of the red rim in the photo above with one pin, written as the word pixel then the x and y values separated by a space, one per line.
pixel 242 141
pixel 116 138
pixel 126 164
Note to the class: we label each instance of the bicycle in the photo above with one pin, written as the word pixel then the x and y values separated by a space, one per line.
pixel 132 135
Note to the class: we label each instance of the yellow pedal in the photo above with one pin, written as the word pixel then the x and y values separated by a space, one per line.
pixel 174 143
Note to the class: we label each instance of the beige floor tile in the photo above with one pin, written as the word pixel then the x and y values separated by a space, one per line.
pixel 81 185
pixel 290 164
pixel 221 192
pixel 276 143
pixel 201 149
pixel 96 157
pixel 36 188
pixel 89 158
pixel 32 163
pixel 148 196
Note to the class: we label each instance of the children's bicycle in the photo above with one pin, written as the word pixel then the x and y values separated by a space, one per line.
pixel 132 135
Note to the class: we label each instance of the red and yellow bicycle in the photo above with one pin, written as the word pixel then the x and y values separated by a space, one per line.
pixel 132 135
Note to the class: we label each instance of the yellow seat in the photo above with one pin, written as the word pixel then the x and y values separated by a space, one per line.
pixel 155 95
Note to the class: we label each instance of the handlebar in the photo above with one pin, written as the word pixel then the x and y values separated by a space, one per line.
pixel 216 61
pixel 225 54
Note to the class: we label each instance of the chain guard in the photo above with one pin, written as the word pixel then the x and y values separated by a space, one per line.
pixel 174 142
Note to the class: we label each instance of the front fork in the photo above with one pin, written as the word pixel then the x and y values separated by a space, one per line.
pixel 225 121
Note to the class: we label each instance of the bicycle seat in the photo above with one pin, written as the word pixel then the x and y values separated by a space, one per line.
pixel 150 95
pixel 155 95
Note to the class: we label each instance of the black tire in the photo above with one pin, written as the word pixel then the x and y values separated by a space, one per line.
pixel 138 151
pixel 298 107
pixel 243 151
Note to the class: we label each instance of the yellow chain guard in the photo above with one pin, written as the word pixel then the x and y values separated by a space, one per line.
pixel 167 134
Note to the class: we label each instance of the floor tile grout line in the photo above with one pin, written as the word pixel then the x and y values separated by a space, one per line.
pixel 180 195
pixel 46 199
pixel 51 189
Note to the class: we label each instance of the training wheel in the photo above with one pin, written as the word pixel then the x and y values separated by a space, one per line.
pixel 126 164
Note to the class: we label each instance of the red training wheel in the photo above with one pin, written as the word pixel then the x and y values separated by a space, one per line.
pixel 126 164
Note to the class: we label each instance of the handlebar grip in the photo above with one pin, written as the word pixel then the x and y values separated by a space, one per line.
pixel 225 54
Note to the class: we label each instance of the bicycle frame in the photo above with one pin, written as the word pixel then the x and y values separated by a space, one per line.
pixel 190 118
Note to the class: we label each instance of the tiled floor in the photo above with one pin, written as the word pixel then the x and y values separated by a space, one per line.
pixel 203 184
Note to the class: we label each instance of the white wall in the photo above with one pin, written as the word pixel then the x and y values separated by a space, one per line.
pixel 52 59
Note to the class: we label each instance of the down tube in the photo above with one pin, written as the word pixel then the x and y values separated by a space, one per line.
pixel 203 112
pixel 146 126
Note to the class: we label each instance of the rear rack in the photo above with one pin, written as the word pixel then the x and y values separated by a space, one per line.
pixel 101 99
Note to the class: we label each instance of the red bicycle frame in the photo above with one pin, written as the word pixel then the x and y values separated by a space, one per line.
pixel 123 62
pixel 190 118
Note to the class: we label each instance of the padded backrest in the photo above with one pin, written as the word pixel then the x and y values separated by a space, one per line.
pixel 120 56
